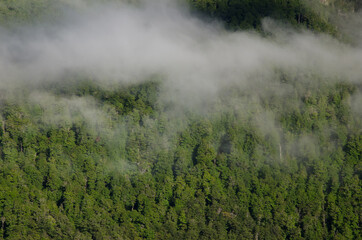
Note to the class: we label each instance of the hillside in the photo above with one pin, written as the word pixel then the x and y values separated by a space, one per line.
pixel 152 121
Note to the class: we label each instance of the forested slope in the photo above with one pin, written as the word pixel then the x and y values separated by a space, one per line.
pixel 276 158
pixel 248 14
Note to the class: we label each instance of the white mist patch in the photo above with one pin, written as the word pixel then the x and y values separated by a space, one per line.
pixel 128 44
pixel 61 111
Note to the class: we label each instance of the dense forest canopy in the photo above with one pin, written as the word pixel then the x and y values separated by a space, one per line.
pixel 195 119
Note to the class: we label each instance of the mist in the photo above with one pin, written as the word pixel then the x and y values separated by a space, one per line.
pixel 129 43
pixel 143 119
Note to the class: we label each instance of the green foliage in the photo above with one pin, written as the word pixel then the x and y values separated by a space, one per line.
pixel 142 173
pixel 249 13
pixel 217 177
pixel 27 11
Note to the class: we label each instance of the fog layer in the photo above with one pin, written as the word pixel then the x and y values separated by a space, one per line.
pixel 129 43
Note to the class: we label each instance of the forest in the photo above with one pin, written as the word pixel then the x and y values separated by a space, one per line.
pixel 194 119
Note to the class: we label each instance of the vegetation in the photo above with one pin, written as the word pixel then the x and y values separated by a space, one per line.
pixel 248 13
pixel 84 161
pixel 219 175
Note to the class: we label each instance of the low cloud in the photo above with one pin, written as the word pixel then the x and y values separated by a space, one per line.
pixel 131 42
